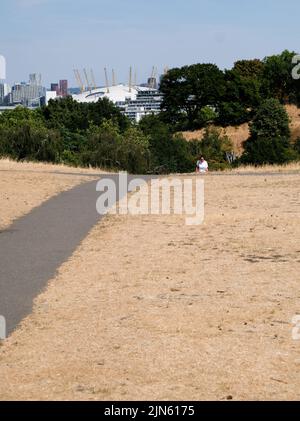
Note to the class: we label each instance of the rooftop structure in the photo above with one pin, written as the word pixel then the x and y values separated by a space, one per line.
pixel 118 93
pixel 135 101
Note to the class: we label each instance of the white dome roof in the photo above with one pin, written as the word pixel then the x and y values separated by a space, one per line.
pixel 118 93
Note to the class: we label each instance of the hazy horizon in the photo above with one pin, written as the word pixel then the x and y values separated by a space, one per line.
pixel 52 37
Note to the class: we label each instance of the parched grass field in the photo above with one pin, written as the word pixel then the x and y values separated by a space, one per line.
pixel 24 186
pixel 149 308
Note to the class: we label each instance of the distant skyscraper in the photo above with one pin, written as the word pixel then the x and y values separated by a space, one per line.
pixel 4 91
pixel 2 68
pixel 55 88
pixel 27 94
pixel 63 88
pixel 1 93
pixel 35 79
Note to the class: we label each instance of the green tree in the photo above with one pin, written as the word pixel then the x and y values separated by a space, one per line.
pixel 21 115
pixel 207 115
pixel 134 153
pixel 71 115
pixel 249 68
pixel 277 78
pixel 108 148
pixel 241 97
pixel 169 153
pixel 269 141
pixel 188 90
pixel 297 146
pixel 102 145
pixel 24 136
pixel 213 147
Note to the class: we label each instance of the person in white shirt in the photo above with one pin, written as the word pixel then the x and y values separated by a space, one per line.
pixel 202 166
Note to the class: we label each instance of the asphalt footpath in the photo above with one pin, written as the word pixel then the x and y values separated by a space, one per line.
pixel 36 245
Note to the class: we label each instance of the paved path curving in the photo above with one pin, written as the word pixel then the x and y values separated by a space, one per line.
pixel 36 245
pixel 33 248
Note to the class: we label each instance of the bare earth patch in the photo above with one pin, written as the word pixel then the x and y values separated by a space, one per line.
pixel 148 308
pixel 24 186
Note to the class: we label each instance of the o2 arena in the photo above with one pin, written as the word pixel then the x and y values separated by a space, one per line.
pixel 134 101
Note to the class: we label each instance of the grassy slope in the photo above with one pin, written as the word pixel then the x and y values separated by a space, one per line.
pixel 239 134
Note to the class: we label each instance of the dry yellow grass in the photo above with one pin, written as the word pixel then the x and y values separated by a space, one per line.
pixel 294 115
pixel 24 186
pixel 27 166
pixel 148 308
pixel 292 167
pixel 239 134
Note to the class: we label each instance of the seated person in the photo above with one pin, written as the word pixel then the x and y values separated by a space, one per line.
pixel 202 166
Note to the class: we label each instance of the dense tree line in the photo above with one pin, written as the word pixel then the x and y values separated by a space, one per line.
pixel 91 135
pixel 252 91
pixel 232 96
pixel 99 135
pixel 197 96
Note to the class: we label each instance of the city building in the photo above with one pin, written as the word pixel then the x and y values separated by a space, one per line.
pixel 4 91
pixel 146 102
pixel 55 88
pixel 135 102
pixel 2 78
pixel 49 95
pixel 63 88
pixel 35 79
pixel 2 68
pixel 28 94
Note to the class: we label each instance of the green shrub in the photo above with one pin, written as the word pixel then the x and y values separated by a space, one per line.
pixel 232 114
pixel 269 141
pixel 169 153
pixel 207 115
pixel 212 146
pixel 297 146
pixel 29 142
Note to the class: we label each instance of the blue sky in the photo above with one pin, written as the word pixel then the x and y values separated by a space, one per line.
pixel 53 36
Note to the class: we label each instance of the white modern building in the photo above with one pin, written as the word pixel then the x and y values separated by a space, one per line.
pixel 2 68
pixel 50 95
pixel 135 102
pixel 3 87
